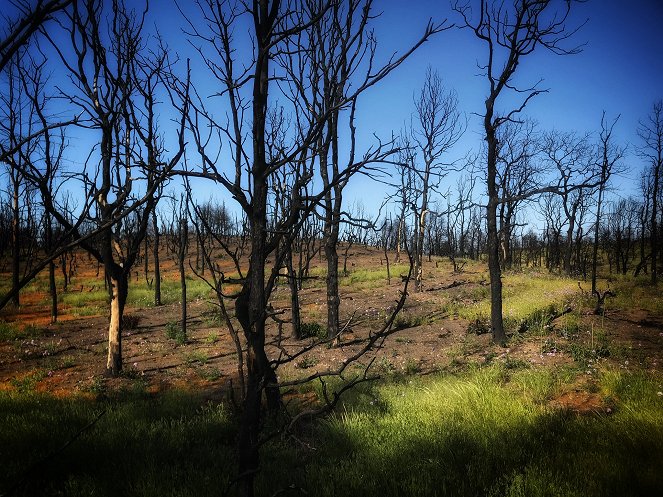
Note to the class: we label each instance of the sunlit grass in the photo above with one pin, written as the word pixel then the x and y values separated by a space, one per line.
pixel 523 295
pixel 635 293
pixel 487 431
pixel 493 432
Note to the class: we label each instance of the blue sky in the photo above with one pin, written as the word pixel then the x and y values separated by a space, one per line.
pixel 620 70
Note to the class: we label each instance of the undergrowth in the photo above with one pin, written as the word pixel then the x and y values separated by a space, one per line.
pixel 486 431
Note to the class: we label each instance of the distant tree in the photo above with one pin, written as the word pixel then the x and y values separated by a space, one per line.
pixel 518 172
pixel 646 187
pixel 572 157
pixel 622 220
pixel 650 132
pixel 437 126
pixel 608 155
pixel 511 31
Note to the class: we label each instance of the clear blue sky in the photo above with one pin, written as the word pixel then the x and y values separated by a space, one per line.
pixel 620 71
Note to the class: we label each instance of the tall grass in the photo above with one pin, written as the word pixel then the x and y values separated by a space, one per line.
pixel 524 294
pixel 489 431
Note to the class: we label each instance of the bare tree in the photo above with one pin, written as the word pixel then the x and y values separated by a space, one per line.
pixel 511 31
pixel 278 34
pixel 608 155
pixel 651 134
pixel 571 156
pixel 114 84
pixel 438 126
pixel 31 18
pixel 518 173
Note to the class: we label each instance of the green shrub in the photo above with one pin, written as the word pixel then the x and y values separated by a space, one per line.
pixel 308 362
pixel 9 331
pixel 314 330
pixel 175 332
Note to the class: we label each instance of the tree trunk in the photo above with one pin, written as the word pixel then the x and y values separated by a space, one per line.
pixel 294 294
pixel 16 228
pixel 146 261
pixel 419 246
pixel 251 304
pixel 155 256
pixel 493 247
pixel 51 271
pixel 654 224
pixel 119 291
pixel 333 300
pixel 181 257
pixel 595 249
pixel 568 249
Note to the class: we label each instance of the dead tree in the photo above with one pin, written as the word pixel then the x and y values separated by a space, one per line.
pixel 437 126
pixel 608 155
pixel 518 173
pixel 650 132
pixel 113 84
pixel 571 156
pixel 280 40
pixel 510 33
pixel 31 18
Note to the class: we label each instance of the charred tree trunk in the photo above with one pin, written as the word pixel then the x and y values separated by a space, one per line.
pixel 155 257
pixel 51 271
pixel 181 258
pixel 493 244
pixel 294 294
pixel 16 235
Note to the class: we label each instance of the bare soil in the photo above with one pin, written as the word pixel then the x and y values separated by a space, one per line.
pixel 69 357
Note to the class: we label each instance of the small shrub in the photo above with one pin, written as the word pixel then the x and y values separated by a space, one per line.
pixel 198 356
pixel 411 366
pixel 581 352
pixel 478 327
pixel 549 346
pixel 405 321
pixel 307 362
pixel 130 321
pixel 315 330
pixel 97 386
pixel 29 381
pixel 175 332
pixel 213 337
pixel 8 331
pixel 512 363
pixel 209 374
pixel 386 366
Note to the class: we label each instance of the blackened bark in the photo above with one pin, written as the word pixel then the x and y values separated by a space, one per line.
pixel 155 257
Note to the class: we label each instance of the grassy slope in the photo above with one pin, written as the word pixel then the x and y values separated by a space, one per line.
pixel 488 431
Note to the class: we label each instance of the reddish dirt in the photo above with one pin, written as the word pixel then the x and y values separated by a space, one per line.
pixel 69 357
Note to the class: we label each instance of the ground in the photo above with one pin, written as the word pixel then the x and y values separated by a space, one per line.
pixel 443 329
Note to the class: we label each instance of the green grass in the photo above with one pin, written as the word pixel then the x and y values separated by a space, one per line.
pixel 487 431
pixel 633 293
pixel 173 445
pixel 527 293
pixel 491 432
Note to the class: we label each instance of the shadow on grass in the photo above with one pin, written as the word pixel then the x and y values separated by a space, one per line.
pixel 481 440
pixel 455 436
pixel 175 444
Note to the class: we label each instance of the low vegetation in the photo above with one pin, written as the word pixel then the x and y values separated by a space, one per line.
pixel 489 430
